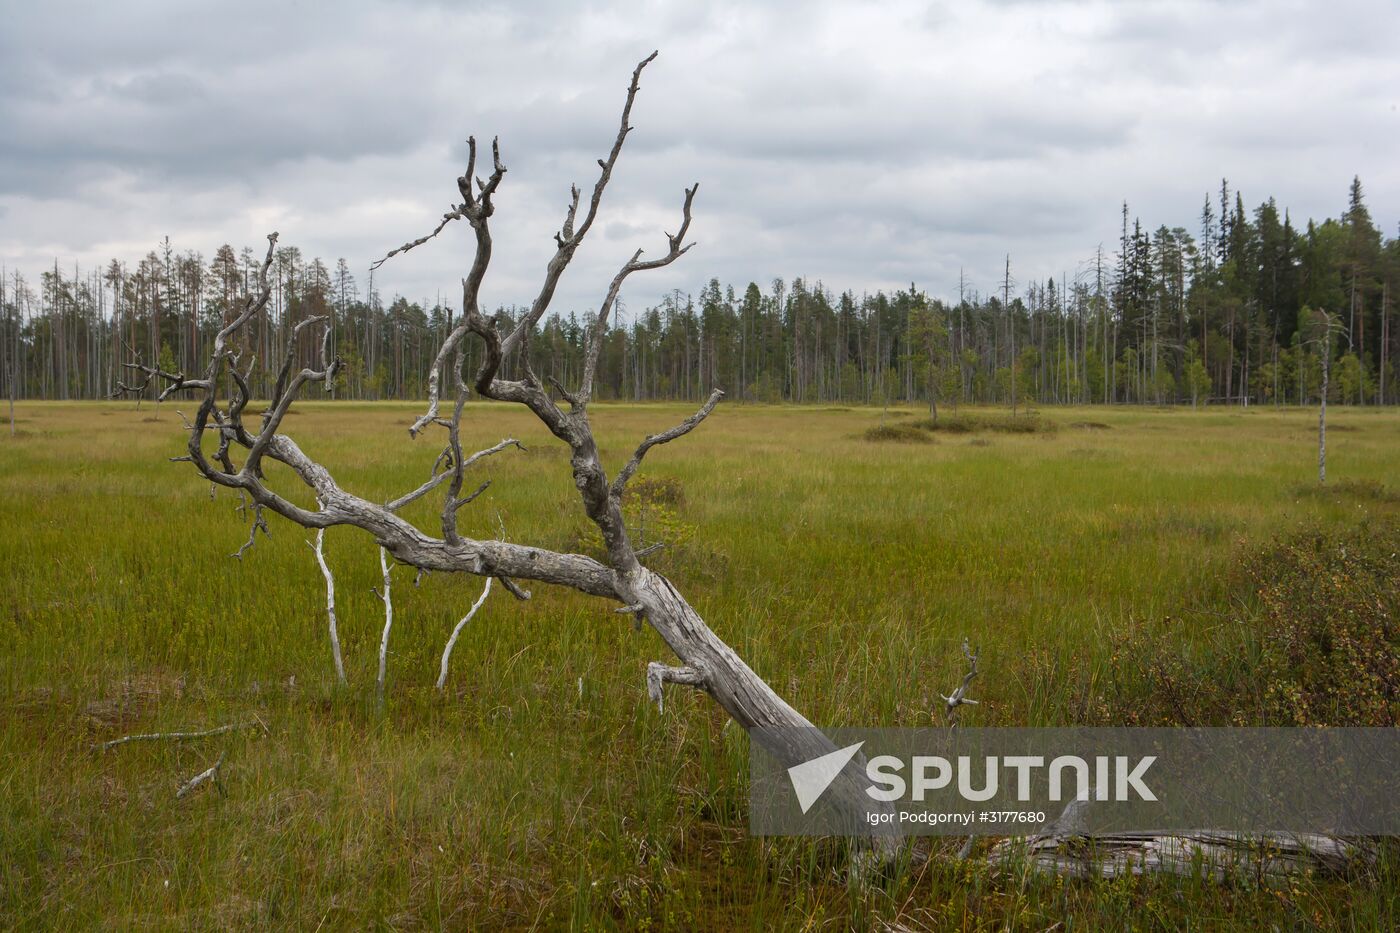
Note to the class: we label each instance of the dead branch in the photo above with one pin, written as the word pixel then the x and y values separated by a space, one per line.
pixel 477 208
pixel 454 214
pixel 514 589
pixel 178 736
pixel 452 641
pixel 470 497
pixel 570 236
pixel 954 700
pixel 454 501
pixel 665 437
pixel 203 777
pixel 482 454
pixel 330 603
pixel 438 478
pixel 387 597
pixel 564 393
pixel 285 392
pixel 959 696
pixel 258 523
pixel 658 674
pixel 177 381
pixel 635 264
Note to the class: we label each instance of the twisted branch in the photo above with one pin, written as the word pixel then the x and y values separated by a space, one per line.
pixel 477 208
pixel 665 437
pixel 959 696
pixel 600 323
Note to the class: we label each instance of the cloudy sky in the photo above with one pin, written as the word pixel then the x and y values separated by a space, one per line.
pixel 866 145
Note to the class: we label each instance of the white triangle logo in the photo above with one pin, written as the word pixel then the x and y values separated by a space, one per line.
pixel 811 778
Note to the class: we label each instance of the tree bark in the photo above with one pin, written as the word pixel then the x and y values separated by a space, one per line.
pixel 1322 413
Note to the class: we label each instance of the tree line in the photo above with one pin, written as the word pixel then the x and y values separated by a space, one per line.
pixel 1232 313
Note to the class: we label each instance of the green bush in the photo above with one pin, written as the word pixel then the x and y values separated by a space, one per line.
pixel 1314 641
pixel 973 424
pixel 900 433
pixel 1329 607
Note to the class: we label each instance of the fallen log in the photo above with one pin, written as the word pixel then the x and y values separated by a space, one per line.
pixel 1212 854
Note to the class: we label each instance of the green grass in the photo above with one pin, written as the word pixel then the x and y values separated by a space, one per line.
pixel 544 791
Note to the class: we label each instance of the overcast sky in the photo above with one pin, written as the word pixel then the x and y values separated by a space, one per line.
pixel 865 145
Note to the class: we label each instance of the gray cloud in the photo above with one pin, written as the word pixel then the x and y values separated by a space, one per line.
pixel 863 145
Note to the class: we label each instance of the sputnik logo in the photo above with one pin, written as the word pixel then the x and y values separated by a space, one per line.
pixel 811 778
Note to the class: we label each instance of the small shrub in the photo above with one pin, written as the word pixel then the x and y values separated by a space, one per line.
pixel 651 509
pixel 973 424
pixel 1090 425
pixel 1331 628
pixel 899 433
pixel 1315 642
pixel 655 490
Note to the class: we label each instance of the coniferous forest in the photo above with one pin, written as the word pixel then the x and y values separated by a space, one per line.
pixel 1240 310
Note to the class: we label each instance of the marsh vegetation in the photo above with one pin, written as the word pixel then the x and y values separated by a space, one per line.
pixel 846 573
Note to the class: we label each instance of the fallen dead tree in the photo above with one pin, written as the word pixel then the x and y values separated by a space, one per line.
pixel 1066 847
pixel 1219 856
pixel 706 662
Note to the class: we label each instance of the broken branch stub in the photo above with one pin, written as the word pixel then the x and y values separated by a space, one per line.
pixel 203 777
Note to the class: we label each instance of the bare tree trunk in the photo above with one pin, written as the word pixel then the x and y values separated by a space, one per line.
pixel 13 347
pixel 1322 411
pixel 1385 334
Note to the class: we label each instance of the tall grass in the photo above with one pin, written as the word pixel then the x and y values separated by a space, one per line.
pixel 542 790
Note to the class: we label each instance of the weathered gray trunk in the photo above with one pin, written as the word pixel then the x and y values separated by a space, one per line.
pixel 1219 856
pixel 1322 418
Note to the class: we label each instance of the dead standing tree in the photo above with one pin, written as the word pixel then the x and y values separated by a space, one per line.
pixel 1326 323
pixel 706 662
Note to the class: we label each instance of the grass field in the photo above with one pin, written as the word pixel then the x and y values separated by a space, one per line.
pixel 543 790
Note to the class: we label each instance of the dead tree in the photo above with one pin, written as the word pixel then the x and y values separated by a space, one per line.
pixel 1324 341
pixel 705 661
pixel 1322 414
